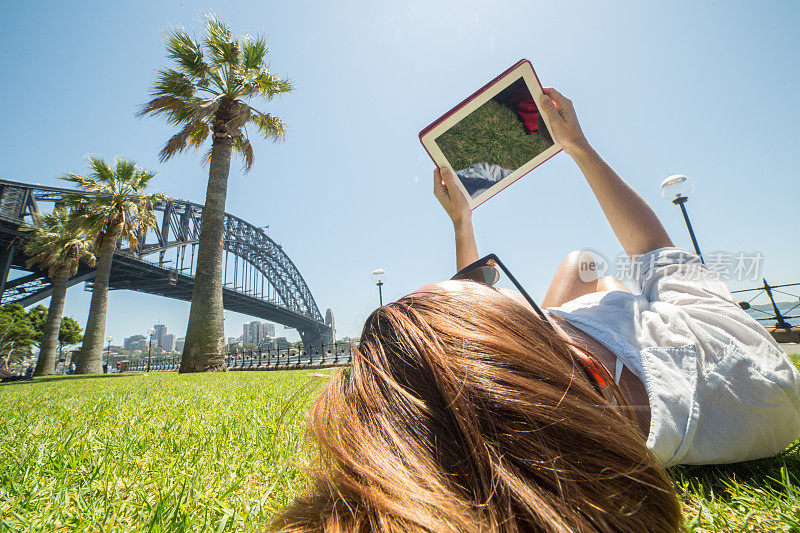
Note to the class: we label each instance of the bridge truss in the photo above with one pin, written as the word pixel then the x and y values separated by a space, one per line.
pixel 259 278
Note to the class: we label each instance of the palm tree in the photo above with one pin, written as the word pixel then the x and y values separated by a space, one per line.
pixel 209 93
pixel 58 245
pixel 111 206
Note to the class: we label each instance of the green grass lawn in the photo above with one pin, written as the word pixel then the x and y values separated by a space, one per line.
pixel 157 452
pixel 220 452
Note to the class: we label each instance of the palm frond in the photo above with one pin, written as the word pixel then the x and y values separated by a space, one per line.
pixel 186 52
pixel 180 111
pixel 220 43
pixel 216 78
pixel 207 156
pixel 271 126
pixel 254 50
pixel 125 169
pixel 57 244
pixel 140 178
pixel 270 85
pixel 171 106
pixel 241 144
pixel 182 140
pixel 102 171
pixel 170 82
pixel 199 135
pixel 119 205
pixel 82 182
pixel 267 85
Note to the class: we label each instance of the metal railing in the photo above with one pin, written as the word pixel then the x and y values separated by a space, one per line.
pixel 322 355
pixel 779 317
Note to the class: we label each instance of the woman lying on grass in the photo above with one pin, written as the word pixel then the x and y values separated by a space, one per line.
pixel 468 409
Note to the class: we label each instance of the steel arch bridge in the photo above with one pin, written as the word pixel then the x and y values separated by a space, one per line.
pixel 259 279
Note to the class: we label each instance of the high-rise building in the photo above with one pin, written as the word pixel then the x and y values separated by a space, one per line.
pixel 158 334
pixel 255 332
pixel 180 342
pixel 169 343
pixel 251 332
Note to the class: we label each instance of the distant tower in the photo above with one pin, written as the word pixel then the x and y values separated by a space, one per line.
pixel 158 335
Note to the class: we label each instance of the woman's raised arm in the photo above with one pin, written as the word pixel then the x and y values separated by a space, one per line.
pixel 459 212
pixel 634 223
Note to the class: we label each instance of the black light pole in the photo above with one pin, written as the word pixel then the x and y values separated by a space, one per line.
pixel 681 202
pixel 149 347
pixel 108 350
pixel 378 277
pixel 677 189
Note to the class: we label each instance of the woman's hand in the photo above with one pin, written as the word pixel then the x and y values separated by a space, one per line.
pixel 446 191
pixel 636 225
pixel 563 121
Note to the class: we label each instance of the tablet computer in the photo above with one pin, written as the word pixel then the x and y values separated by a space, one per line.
pixel 495 136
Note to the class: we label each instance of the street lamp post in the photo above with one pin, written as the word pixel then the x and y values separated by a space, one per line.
pixel 677 189
pixel 149 346
pixel 378 277
pixel 108 349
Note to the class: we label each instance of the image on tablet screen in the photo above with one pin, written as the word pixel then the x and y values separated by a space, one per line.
pixel 496 139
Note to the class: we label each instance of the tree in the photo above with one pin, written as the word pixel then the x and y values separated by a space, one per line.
pixel 70 333
pixel 111 207
pixel 38 317
pixel 58 244
pixel 209 93
pixel 16 334
pixel 235 347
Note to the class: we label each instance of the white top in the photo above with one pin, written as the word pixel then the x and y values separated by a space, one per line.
pixel 720 388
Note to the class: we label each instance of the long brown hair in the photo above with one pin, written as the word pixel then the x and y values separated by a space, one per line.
pixel 462 411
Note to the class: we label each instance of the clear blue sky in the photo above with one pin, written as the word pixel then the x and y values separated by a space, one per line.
pixel 704 89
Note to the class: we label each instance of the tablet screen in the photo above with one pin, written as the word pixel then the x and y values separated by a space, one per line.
pixel 497 138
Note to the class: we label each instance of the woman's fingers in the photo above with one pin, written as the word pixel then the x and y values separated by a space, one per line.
pixel 447 176
pixel 442 181
pixel 562 104
pixel 439 189
pixel 446 191
pixel 546 105
pixel 560 100
pixel 564 124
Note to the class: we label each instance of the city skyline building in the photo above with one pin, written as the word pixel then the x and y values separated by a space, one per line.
pixel 169 343
pixel 129 342
pixel 256 332
pixel 159 331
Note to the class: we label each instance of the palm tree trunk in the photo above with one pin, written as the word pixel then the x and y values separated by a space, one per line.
pixel 91 356
pixel 204 350
pixel 45 366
